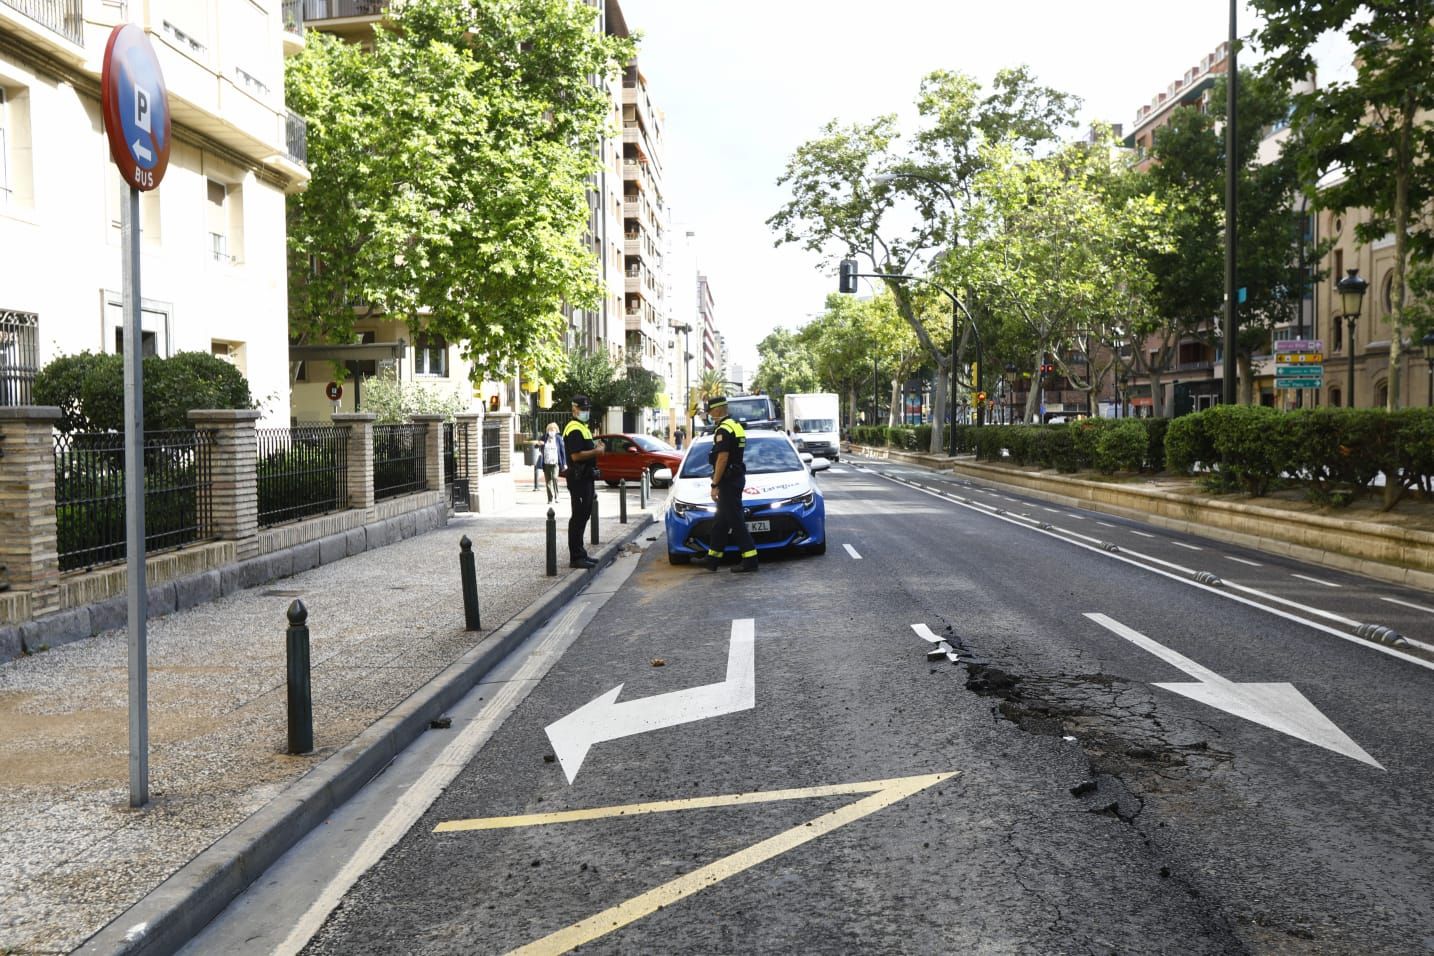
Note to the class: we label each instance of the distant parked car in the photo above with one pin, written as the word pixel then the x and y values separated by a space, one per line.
pixel 629 455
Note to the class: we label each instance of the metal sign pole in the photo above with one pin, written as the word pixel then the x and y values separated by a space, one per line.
pixel 137 585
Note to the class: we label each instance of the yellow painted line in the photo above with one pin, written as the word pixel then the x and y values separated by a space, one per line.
pixel 666 806
pixel 883 793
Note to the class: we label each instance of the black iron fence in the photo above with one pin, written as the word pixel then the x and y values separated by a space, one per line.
pixel 492 446
pixel 457 443
pixel 398 460
pixel 19 350
pixel 302 472
pixel 90 498
pixel 534 425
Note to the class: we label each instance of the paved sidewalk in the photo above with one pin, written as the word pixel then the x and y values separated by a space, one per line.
pixel 73 855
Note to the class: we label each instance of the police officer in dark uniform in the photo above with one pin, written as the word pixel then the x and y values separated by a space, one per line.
pixel 729 475
pixel 583 454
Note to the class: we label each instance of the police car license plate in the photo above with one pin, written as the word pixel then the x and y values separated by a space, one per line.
pixel 759 526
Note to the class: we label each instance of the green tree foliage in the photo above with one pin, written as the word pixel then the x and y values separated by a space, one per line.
pixel 89 390
pixel 449 167
pixel 784 364
pixel 1057 252
pixel 394 401
pixel 638 388
pixel 847 181
pixel 593 374
pixel 1377 130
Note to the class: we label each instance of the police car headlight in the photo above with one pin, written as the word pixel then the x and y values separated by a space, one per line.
pixel 683 508
pixel 801 501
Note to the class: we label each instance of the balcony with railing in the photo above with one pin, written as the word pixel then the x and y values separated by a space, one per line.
pixel 316 10
pixel 65 17
pixel 296 142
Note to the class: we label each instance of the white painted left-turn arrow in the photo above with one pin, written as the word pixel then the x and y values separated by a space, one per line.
pixel 603 718
pixel 1277 706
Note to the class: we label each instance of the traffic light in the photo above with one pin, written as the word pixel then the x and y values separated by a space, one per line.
pixel 545 395
pixel 1047 368
pixel 847 279
pixel 980 398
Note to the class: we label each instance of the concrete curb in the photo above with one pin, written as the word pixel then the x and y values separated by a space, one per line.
pixel 176 910
pixel 1317 539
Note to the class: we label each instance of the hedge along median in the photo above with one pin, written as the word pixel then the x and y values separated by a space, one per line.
pixel 1334 455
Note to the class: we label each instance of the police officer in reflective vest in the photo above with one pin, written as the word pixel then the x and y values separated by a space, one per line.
pixel 729 474
pixel 583 454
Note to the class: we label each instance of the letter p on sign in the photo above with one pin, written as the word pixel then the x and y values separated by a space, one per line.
pixel 141 109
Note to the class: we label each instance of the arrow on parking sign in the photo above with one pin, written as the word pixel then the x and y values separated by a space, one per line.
pixel 603 718
pixel 1276 706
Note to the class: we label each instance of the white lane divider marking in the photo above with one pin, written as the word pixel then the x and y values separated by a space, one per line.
pixel 1278 706
pixel 1306 577
pixel 1051 510
pixel 1253 564
pixel 1188 547
pixel 1072 514
pixel 1417 607
pixel 1105 524
pixel 852 551
pixel 1141 533
pixel 1182 575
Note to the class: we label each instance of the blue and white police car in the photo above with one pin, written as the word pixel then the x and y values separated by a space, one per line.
pixel 781 501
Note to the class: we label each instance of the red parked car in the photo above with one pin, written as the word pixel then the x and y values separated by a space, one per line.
pixel 628 456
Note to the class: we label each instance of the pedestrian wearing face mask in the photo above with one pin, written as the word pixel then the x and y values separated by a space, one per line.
pixel 582 454
pixel 553 455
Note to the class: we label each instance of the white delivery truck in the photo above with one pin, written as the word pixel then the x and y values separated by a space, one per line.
pixel 811 419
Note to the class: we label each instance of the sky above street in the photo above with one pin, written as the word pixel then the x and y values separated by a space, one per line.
pixel 743 84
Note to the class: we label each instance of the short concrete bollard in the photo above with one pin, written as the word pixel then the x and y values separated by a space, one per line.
pixel 301 700
pixel 593 535
pixel 469 572
pixel 552 535
pixel 622 501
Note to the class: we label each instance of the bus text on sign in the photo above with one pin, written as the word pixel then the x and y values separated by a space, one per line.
pixel 135 107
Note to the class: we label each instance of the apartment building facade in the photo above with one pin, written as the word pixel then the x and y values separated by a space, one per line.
pixel 213 234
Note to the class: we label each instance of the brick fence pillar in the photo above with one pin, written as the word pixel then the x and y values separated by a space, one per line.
pixel 29 549
pixel 432 449
pixel 505 440
pixel 360 474
pixel 471 451
pixel 229 504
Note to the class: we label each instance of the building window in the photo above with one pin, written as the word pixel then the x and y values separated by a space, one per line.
pixel 16 188
pixel 19 355
pixel 218 195
pixel 430 355
pixel 1381 394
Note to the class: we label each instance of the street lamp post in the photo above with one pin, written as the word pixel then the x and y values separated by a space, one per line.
pixel 684 328
pixel 1428 344
pixel 1351 298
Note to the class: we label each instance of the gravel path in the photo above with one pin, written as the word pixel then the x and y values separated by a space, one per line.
pixel 73 855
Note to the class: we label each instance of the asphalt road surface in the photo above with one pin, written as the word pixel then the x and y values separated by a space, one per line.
pixel 1146 743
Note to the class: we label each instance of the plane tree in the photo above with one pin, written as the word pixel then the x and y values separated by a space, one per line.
pixel 449 168
pixel 1377 129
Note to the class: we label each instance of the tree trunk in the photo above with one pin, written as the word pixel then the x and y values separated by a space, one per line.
pixel 1402 176
pixel 938 406
pixel 1247 381
pixel 1157 395
pixel 1033 395
pixel 893 417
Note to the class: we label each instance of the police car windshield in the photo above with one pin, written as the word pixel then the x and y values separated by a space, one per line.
pixel 764 456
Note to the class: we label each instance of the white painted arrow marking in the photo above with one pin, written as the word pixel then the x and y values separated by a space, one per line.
pixel 1277 706
pixel 140 151
pixel 603 718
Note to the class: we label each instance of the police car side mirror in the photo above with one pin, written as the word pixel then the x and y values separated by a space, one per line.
pixel 806 457
pixel 820 464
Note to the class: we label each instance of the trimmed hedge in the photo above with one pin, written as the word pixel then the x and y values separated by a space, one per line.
pixel 1335 453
